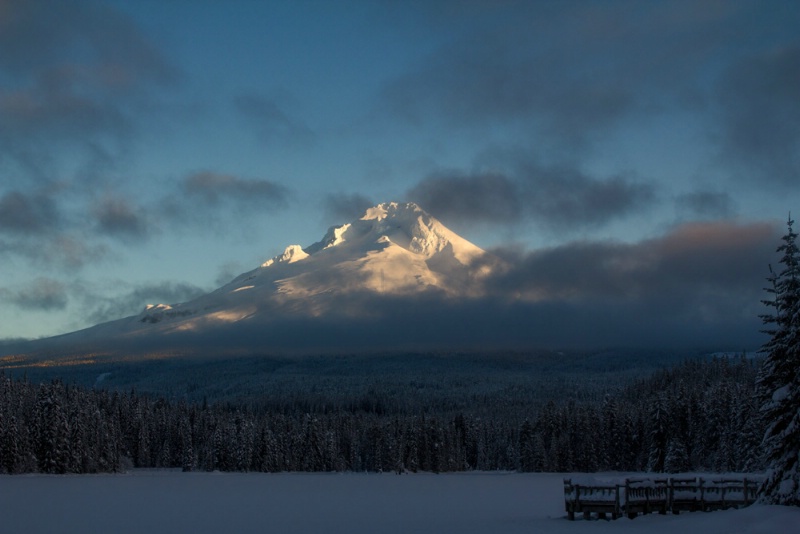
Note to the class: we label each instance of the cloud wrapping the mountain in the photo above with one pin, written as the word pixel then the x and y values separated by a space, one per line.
pixel 687 265
pixel 698 286
pixel 101 309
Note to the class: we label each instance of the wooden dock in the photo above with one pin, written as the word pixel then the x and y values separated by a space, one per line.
pixel 634 496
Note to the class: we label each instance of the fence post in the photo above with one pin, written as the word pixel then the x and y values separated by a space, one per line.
pixel 701 485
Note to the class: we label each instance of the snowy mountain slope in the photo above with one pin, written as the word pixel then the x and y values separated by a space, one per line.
pixel 394 250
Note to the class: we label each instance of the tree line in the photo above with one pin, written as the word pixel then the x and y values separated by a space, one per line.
pixel 701 415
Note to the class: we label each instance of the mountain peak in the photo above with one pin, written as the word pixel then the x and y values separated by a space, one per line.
pixel 394 248
pixel 401 224
pixel 391 210
pixel 292 254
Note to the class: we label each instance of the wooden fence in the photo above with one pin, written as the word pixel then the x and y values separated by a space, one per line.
pixel 634 496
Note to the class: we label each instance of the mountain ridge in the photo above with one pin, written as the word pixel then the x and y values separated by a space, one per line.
pixel 393 257
pixel 395 248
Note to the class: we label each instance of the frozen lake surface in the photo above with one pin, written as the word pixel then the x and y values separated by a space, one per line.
pixel 204 503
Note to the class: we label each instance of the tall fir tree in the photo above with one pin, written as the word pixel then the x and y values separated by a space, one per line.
pixel 659 435
pixel 779 379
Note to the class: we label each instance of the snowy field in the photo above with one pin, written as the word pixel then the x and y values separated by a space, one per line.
pixel 172 502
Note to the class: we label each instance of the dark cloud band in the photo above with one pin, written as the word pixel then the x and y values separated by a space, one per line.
pixel 213 188
pixel 560 199
pixel 43 294
pixel 22 213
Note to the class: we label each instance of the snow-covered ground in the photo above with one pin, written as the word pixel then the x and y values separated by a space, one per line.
pixel 199 503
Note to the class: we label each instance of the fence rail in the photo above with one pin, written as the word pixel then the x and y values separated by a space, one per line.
pixel 634 496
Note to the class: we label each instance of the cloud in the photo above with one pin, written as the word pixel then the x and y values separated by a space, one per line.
pixel 55 252
pixel 43 294
pixel 228 271
pixel 74 75
pixel 71 251
pixel 759 108
pixel 271 122
pixel 38 34
pixel 563 197
pixel 706 272
pixel 569 76
pixel 342 207
pixel 487 78
pixel 76 80
pixel 118 218
pixel 559 199
pixel 101 309
pixel 486 197
pixel 216 202
pixel 569 71
pixel 22 213
pixel 705 205
pixel 430 322
pixel 214 188
pixel 42 231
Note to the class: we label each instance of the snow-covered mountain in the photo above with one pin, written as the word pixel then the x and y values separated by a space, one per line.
pixel 394 251
pixel 394 248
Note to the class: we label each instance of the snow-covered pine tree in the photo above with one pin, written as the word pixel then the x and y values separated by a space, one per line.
pixel 677 458
pixel 779 379
pixel 527 436
pixel 659 435
pixel 188 461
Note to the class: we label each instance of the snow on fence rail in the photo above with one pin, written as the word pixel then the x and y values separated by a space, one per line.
pixel 634 496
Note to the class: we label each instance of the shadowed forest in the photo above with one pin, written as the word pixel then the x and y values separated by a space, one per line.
pixel 699 415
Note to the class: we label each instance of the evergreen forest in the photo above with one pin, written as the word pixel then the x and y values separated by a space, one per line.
pixel 699 415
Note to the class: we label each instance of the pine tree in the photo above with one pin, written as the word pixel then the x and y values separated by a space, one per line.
pixel 779 379
pixel 9 448
pixel 659 435
pixel 187 449
pixel 527 441
pixel 677 457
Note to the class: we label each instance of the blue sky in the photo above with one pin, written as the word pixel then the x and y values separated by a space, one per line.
pixel 151 150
